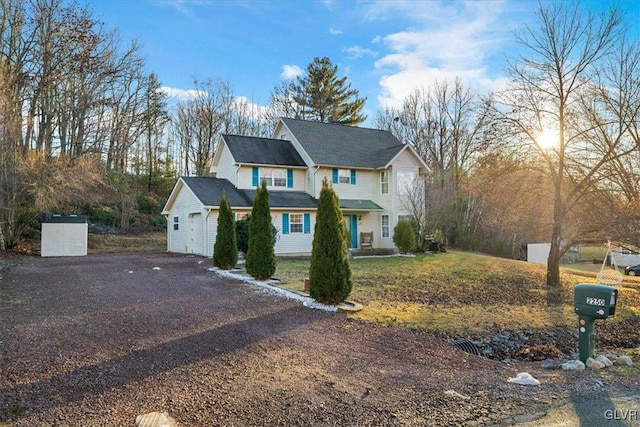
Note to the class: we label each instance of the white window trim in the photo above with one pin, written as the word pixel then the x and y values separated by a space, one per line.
pixel 292 222
pixel 382 182
pixel 176 223
pixel 268 175
pixel 344 174
pixel 382 226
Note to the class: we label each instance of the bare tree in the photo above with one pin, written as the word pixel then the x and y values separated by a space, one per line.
pixel 448 125
pixel 562 52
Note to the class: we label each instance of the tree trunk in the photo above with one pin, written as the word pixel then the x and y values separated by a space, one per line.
pixel 555 251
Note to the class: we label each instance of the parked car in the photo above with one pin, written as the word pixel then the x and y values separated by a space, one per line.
pixel 632 270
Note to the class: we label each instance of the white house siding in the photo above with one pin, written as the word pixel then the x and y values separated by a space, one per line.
pixel 185 203
pixel 226 166
pixel 292 243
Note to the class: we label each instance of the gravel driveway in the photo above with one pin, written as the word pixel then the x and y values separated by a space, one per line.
pixel 98 340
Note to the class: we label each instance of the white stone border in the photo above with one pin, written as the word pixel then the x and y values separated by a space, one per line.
pixel 268 287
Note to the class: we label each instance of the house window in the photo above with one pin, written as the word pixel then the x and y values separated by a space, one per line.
pixel 344 176
pixel 176 223
pixel 295 223
pixel 274 177
pixel 385 225
pixel 406 182
pixel 384 182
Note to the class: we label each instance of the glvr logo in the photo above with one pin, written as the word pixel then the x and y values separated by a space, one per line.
pixel 621 414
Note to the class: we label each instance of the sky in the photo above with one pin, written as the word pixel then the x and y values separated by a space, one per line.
pixel 385 48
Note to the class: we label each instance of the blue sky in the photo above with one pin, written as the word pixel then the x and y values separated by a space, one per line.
pixel 386 48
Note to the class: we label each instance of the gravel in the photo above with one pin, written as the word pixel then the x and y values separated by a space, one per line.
pixel 99 340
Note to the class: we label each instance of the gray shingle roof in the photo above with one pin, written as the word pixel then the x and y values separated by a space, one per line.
pixel 209 192
pixel 288 199
pixel 263 151
pixel 346 146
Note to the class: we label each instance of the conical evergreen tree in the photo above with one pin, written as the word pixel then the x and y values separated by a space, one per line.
pixel 330 272
pixel 225 249
pixel 261 259
pixel 327 98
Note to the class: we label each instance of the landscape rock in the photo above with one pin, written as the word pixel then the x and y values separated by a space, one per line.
pixel 524 378
pixel 573 365
pixel 604 360
pixel 624 361
pixel 595 364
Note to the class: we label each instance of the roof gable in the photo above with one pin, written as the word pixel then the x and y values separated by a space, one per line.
pixel 347 146
pixel 263 151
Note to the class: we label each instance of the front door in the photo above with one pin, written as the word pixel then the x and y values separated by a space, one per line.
pixel 352 226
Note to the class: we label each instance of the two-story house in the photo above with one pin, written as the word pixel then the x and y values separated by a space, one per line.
pixel 369 169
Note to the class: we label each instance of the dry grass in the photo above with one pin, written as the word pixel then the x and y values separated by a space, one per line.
pixel 462 293
pixel 112 243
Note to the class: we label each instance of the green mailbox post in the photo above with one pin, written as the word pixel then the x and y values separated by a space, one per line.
pixel 592 302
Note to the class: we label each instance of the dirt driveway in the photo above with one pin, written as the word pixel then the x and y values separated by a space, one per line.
pixel 98 340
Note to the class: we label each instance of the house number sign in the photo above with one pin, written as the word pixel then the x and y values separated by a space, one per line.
pixel 596 301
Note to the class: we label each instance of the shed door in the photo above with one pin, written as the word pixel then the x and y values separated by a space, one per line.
pixel 196 228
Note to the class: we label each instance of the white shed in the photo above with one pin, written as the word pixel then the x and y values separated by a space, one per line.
pixel 64 235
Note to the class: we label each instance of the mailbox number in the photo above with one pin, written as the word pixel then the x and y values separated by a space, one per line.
pixel 596 301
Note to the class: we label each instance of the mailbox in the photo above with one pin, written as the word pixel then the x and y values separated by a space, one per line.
pixel 592 302
pixel 597 301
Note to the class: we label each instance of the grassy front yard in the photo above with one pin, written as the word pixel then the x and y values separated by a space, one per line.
pixel 462 293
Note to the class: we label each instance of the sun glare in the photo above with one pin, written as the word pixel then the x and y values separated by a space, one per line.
pixel 548 139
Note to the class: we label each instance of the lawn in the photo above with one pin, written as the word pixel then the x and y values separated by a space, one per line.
pixel 459 293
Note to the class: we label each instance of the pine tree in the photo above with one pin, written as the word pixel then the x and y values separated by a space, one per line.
pixel 225 249
pixel 330 272
pixel 261 259
pixel 327 98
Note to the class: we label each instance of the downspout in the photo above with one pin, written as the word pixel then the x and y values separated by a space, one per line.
pixel 314 179
pixel 237 174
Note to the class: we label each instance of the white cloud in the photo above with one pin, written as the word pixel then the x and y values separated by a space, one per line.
pixel 334 31
pixel 448 40
pixel 290 72
pixel 359 52
pixel 179 94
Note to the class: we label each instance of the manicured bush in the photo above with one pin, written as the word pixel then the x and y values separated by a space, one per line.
pixel 261 259
pixel 225 249
pixel 330 272
pixel 404 236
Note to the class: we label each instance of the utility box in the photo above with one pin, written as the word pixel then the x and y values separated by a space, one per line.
pixel 64 235
pixel 597 301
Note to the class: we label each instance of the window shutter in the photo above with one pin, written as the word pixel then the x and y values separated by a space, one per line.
pixel 307 223
pixel 335 176
pixel 255 177
pixel 353 177
pixel 285 223
pixel 289 178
